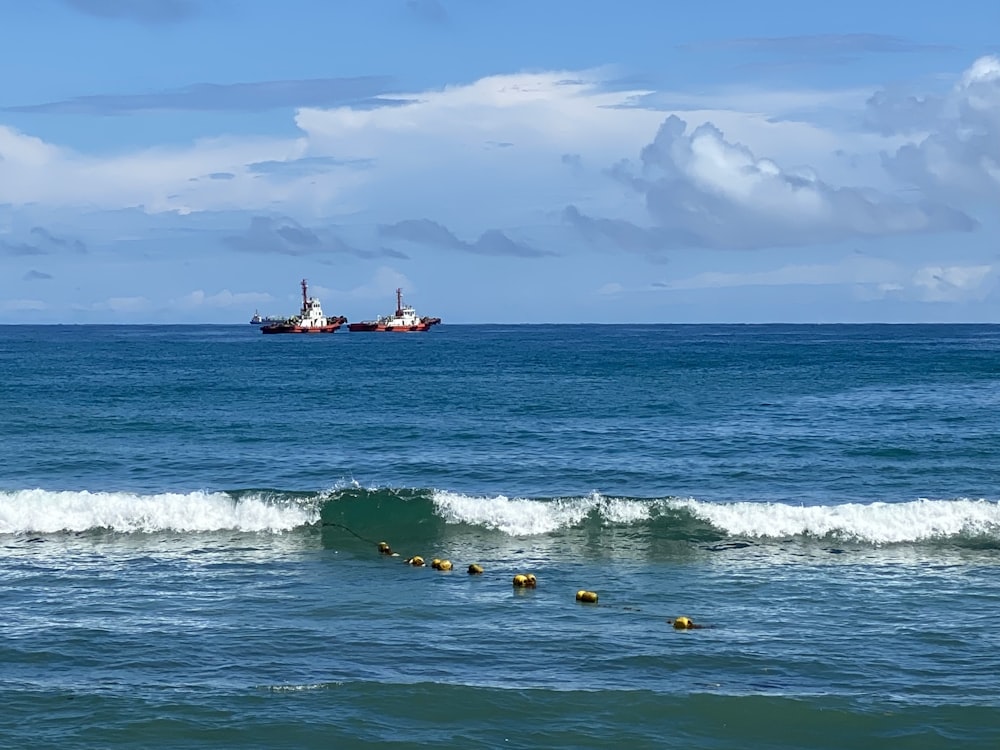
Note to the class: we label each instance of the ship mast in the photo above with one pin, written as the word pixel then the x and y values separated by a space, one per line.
pixel 399 301
pixel 305 299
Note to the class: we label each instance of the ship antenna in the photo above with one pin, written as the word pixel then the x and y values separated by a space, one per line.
pixel 304 298
pixel 399 301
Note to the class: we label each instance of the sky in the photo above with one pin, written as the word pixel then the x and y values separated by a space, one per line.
pixel 501 161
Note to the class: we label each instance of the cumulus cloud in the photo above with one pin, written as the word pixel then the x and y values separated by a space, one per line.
pixel 285 236
pixel 961 152
pixel 348 159
pixel 427 232
pixel 955 283
pixel 443 148
pixel 701 190
pixel 894 111
pixel 515 151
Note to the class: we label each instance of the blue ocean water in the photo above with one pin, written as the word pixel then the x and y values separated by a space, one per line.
pixel 189 518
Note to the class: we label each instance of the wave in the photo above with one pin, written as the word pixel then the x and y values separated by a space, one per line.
pixel 39 511
pixel 878 523
pixel 424 515
pixel 966 521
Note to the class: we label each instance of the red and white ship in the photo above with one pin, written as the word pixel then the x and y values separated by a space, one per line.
pixel 404 320
pixel 309 320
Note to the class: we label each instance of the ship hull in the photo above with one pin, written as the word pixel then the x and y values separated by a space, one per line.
pixel 300 329
pixel 375 328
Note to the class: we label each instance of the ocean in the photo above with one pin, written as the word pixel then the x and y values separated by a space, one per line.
pixel 190 519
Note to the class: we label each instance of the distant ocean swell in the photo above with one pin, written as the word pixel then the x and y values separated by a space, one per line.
pixel 426 515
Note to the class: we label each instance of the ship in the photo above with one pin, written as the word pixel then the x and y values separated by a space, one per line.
pixel 309 320
pixel 259 320
pixel 404 320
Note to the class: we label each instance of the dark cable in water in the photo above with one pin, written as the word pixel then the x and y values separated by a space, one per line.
pixel 349 531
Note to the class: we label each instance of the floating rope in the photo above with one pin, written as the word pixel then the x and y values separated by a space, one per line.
pixel 351 531
pixel 521 580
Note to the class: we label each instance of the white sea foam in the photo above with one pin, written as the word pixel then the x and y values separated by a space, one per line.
pixel 302 688
pixel 41 511
pixel 875 523
pixel 524 517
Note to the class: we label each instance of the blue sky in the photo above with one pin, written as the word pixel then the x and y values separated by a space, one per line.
pixel 561 161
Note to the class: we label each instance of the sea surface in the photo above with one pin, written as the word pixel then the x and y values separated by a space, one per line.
pixel 189 521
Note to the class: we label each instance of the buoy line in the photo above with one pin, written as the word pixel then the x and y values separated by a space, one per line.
pixel 520 580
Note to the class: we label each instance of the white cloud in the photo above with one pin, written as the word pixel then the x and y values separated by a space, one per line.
pixel 530 111
pixel 381 286
pixel 735 170
pixel 852 270
pixel 496 142
pixel 702 190
pixel 960 156
pixel 611 288
pixel 158 179
pixel 23 305
pixel 954 283
pixel 870 278
pixel 120 305
pixel 223 300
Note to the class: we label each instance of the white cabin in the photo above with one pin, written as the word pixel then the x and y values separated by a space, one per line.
pixel 311 315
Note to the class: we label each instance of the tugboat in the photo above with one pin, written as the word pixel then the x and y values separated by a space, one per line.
pixel 404 320
pixel 309 320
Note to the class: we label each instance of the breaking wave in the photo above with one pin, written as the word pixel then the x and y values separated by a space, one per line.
pixel 875 523
pixel 42 512
pixel 431 514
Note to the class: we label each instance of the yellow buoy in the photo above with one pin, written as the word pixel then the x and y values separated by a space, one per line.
pixel 532 581
pixel 683 623
pixel 444 565
pixel 586 596
pixel 435 563
pixel 520 581
pixel 384 548
pixel 416 560
pixel 475 569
